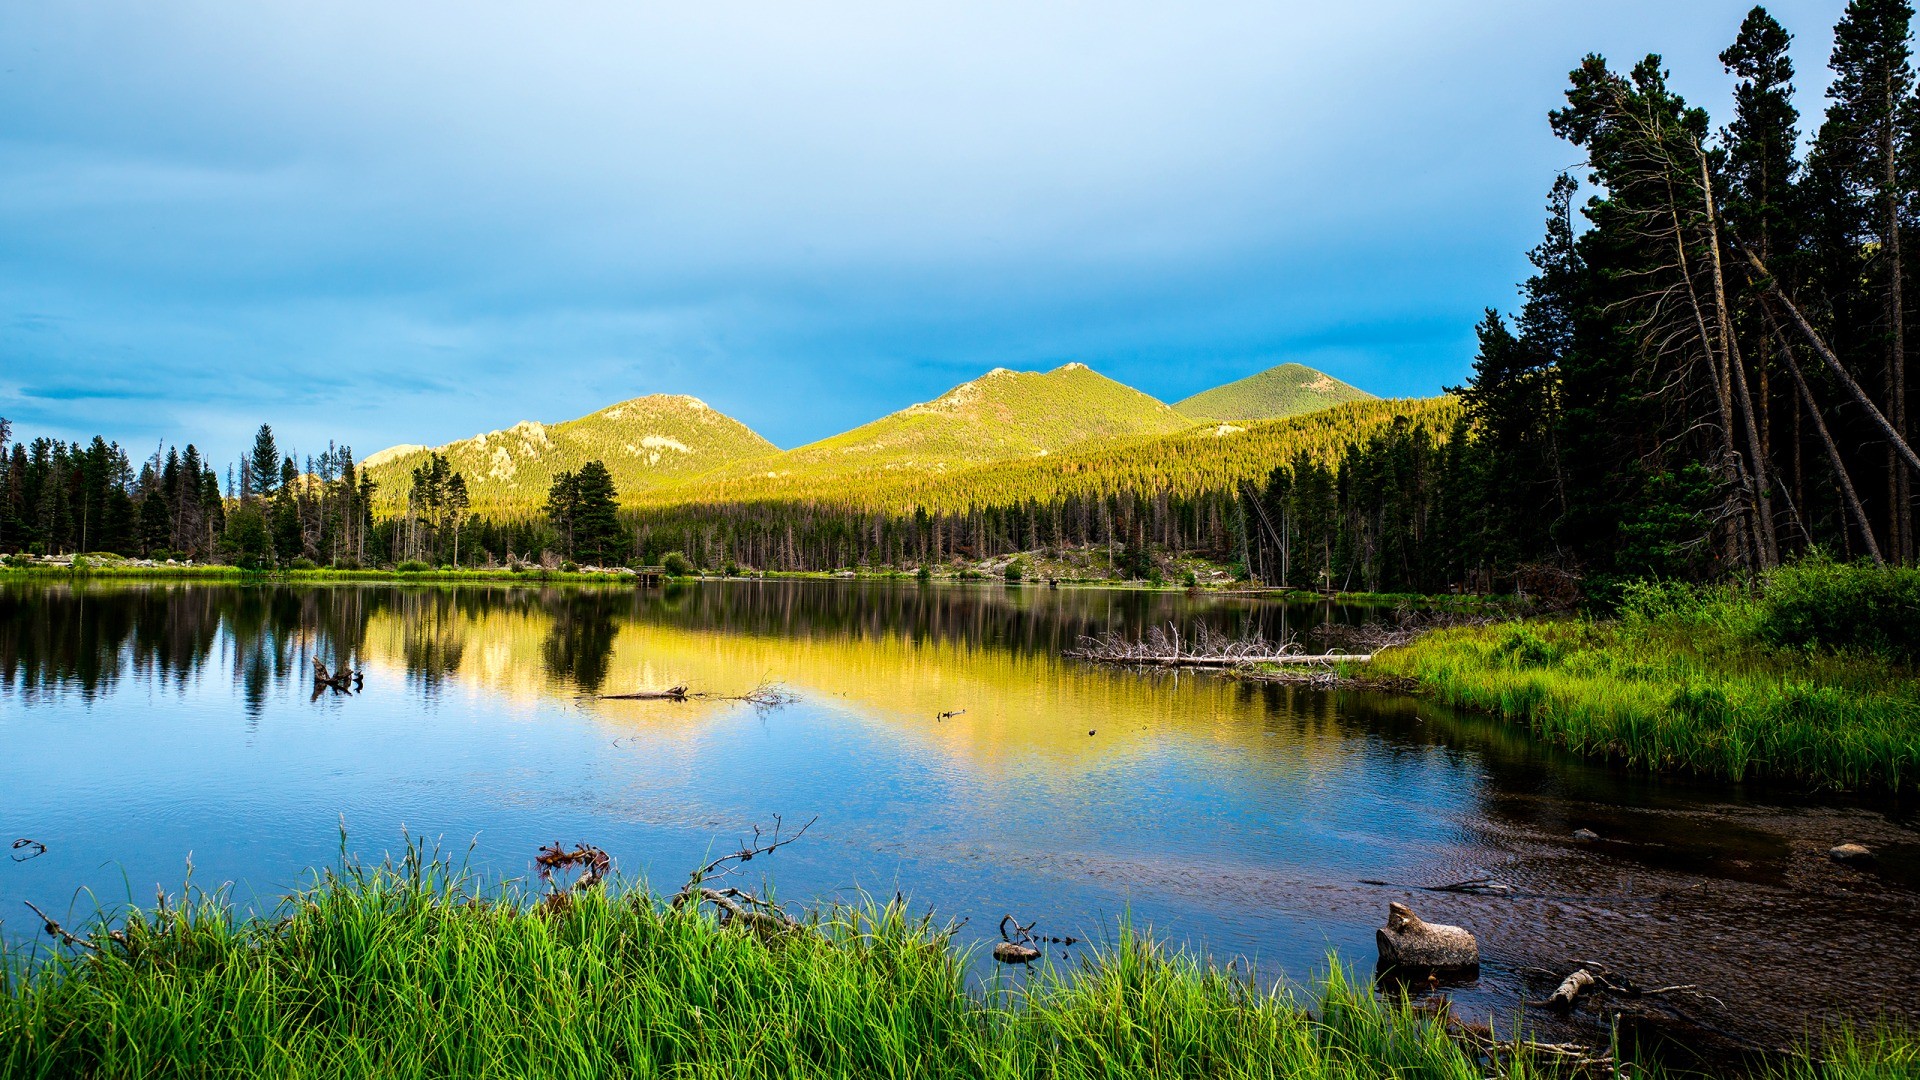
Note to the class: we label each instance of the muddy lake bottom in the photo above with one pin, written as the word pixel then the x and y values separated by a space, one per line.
pixel 150 726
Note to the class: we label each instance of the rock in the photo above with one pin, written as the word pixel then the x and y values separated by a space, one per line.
pixel 1008 952
pixel 1406 941
pixel 1585 836
pixel 1850 853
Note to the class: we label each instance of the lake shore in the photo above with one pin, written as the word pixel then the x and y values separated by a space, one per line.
pixel 1806 681
pixel 411 968
pixel 95 566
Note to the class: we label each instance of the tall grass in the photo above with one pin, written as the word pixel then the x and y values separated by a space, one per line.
pixel 408 970
pixel 1718 681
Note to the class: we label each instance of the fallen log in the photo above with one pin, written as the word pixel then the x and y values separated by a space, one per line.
pixel 671 693
pixel 1247 661
pixel 1570 989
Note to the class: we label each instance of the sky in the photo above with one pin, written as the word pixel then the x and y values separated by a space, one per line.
pixel 375 223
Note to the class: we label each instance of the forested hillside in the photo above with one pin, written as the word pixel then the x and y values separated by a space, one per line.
pixel 1180 492
pixel 1286 390
pixel 643 442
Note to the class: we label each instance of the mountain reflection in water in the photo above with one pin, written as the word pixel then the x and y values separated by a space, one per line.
pixel 144 722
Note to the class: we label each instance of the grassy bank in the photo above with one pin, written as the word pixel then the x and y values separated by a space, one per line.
pixel 220 573
pixel 403 971
pixel 1809 680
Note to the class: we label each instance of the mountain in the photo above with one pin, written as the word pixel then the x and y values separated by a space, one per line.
pixel 999 416
pixel 1198 458
pixel 644 442
pixel 1287 390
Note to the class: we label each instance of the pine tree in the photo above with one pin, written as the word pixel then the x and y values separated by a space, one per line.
pixel 596 529
pixel 1862 160
pixel 263 464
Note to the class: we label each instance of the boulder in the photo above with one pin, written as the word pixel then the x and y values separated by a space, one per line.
pixel 1850 853
pixel 1406 941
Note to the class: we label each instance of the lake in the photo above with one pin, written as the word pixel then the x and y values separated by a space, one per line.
pixel 149 727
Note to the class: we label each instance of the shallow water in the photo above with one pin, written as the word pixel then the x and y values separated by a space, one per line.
pixel 143 726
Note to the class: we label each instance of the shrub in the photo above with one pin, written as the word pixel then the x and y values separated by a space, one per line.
pixel 1191 580
pixel 923 575
pixel 1015 572
pixel 568 566
pixel 1821 603
pixel 730 569
pixel 300 562
pixel 412 566
pixel 676 564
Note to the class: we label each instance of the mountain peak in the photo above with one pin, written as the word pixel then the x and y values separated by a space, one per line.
pixel 1283 390
pixel 644 442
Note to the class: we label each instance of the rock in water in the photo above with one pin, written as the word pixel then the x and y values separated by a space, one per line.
pixel 1009 952
pixel 1407 942
pixel 1850 853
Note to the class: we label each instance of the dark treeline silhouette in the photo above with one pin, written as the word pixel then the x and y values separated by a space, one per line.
pixel 1708 373
pixel 58 638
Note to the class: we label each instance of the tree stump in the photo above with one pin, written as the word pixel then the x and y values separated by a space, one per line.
pixel 1406 941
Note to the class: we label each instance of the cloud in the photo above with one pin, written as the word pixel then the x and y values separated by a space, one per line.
pixel 411 222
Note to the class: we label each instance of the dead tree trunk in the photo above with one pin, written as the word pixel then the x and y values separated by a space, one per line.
pixel 1854 508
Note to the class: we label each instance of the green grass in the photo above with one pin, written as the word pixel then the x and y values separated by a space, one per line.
pixel 1695 680
pixel 408 970
pixel 233 574
pixel 1286 390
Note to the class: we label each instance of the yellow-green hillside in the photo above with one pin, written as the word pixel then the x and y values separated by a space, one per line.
pixel 999 416
pixel 1209 457
pixel 644 442
pixel 1286 390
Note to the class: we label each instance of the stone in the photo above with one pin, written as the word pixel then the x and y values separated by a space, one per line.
pixel 1585 836
pixel 1850 853
pixel 1008 952
pixel 1407 941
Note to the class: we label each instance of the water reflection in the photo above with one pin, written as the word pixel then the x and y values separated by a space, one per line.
pixel 1240 817
pixel 88 639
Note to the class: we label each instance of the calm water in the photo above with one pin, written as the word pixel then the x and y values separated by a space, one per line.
pixel 145 726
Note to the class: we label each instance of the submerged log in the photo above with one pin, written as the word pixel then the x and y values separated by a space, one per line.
pixel 671 693
pixel 1407 941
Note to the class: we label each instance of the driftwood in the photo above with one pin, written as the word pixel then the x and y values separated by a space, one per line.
pixel 594 864
pixel 1407 941
pixel 738 905
pixel 344 681
pixel 765 696
pixel 1022 945
pixel 1168 647
pixel 1570 988
pixel 671 693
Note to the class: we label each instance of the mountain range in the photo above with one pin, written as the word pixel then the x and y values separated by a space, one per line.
pixel 666 442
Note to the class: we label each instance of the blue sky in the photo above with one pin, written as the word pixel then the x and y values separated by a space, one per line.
pixel 384 222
